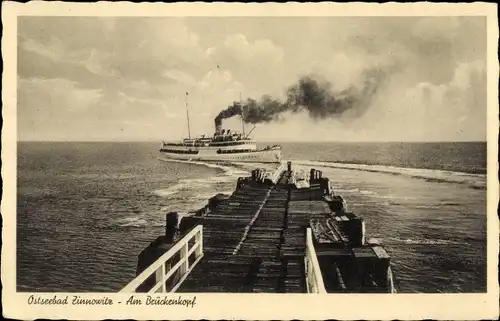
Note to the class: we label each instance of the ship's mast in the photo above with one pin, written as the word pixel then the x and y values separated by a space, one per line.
pixel 242 117
pixel 187 114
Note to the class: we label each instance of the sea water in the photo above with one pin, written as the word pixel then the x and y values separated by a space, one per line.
pixel 86 210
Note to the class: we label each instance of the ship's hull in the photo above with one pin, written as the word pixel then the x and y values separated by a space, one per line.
pixel 257 156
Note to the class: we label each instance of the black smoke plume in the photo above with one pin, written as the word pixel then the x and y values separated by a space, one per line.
pixel 229 112
pixel 312 95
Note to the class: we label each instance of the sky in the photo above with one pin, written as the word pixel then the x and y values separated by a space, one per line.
pixel 126 78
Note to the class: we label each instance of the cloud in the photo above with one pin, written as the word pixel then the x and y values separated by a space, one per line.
pixel 58 92
pixel 242 49
pixel 47 106
pixel 429 111
pixel 120 71
pixel 258 64
pixel 180 76
pixel 53 50
pixel 116 47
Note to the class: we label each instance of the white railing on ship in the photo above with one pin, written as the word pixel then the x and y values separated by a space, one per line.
pixel 162 270
pixel 314 278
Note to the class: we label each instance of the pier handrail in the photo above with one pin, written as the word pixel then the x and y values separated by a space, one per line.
pixel 278 172
pixel 162 272
pixel 273 176
pixel 314 278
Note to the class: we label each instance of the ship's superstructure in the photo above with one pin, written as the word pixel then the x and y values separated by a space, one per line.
pixel 224 145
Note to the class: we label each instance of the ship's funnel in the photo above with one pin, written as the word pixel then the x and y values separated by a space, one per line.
pixel 230 111
pixel 218 126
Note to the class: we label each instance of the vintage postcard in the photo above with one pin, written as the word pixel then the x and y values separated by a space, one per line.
pixel 250 161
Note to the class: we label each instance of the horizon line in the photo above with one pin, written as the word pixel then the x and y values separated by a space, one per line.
pixel 262 141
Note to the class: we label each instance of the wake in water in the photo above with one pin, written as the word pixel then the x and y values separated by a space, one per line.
pixel 477 181
pixel 207 164
pixel 395 241
pixel 190 194
pixel 229 174
pixel 134 221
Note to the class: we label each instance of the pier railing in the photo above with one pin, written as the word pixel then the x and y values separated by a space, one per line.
pixel 314 278
pixel 162 269
pixel 276 175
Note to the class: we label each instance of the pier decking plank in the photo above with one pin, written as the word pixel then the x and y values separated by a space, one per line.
pixel 257 262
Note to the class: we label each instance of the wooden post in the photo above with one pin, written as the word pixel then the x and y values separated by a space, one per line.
pixel 172 222
pixel 313 279
pixel 185 265
pixel 167 283
pixel 160 277
pixel 199 242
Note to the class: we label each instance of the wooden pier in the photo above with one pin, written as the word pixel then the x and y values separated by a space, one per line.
pixel 281 232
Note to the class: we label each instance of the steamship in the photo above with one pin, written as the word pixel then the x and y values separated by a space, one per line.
pixel 224 145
